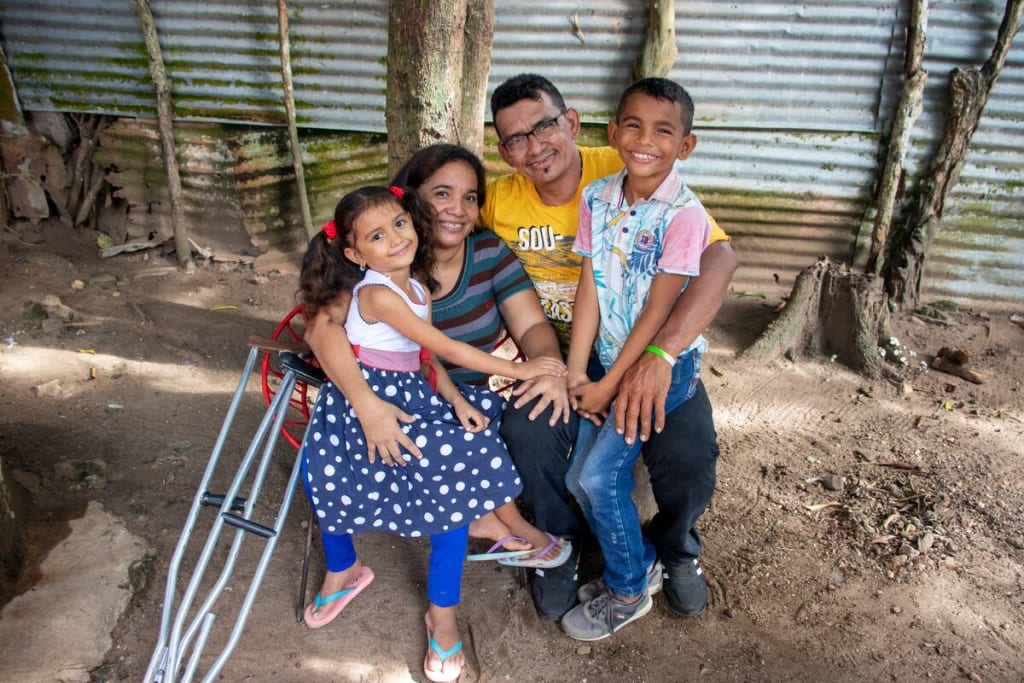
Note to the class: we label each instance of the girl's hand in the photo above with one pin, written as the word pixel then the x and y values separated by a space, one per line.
pixel 538 367
pixel 381 422
pixel 472 420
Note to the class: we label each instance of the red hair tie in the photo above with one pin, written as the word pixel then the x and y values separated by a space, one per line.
pixel 331 230
pixel 397 191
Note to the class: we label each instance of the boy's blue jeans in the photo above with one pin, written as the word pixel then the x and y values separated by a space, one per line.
pixel 600 476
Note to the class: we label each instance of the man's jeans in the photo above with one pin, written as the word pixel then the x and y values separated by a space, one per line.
pixel 600 476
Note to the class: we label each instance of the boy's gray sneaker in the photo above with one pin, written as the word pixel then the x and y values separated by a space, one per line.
pixel 685 588
pixel 603 616
pixel 592 589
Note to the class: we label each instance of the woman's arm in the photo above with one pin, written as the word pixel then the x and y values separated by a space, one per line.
pixel 536 338
pixel 379 419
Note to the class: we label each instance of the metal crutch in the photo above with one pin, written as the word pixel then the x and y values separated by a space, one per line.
pixel 177 634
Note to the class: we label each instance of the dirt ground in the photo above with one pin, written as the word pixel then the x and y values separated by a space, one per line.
pixel 861 530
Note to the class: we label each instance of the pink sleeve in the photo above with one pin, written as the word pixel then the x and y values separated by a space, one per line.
pixel 583 245
pixel 685 238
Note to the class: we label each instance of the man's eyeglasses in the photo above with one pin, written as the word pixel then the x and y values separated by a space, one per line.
pixel 544 131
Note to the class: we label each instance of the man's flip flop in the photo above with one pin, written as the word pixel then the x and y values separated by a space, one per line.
pixel 443 655
pixel 494 554
pixel 337 601
pixel 535 561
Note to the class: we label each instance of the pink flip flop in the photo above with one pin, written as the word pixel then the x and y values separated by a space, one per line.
pixel 337 601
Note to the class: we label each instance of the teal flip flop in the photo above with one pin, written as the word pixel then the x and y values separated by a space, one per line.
pixel 441 676
pixel 494 554
pixel 535 562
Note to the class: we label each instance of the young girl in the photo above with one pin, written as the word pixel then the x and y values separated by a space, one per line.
pixel 463 471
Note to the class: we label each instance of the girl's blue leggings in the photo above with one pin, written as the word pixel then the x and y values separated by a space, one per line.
pixel 447 553
pixel 444 578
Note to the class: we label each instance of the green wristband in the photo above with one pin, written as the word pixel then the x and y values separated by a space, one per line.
pixel 662 353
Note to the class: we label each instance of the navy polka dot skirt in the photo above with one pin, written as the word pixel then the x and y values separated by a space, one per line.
pixel 461 476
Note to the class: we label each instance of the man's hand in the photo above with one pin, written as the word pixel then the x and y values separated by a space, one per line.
pixel 551 392
pixel 384 436
pixel 642 393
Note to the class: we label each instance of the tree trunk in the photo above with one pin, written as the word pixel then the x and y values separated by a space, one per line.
pixel 658 53
pixel 289 106
pixel 832 312
pixel 969 92
pixel 907 111
pixel 165 114
pixel 476 65
pixel 437 51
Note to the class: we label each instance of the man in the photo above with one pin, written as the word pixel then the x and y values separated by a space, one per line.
pixel 536 211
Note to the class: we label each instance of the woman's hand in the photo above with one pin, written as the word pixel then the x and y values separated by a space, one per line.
pixel 549 391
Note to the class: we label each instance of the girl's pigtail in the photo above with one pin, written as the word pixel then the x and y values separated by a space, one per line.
pixel 325 272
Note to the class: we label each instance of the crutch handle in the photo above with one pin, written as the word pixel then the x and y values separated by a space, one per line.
pixel 248 525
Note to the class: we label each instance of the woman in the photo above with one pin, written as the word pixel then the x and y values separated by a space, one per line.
pixel 483 290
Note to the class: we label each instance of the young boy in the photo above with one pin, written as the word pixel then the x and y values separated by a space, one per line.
pixel 641 234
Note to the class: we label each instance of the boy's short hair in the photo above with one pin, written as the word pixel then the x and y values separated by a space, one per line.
pixel 661 89
pixel 524 87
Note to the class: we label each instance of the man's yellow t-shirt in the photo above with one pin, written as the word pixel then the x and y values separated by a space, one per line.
pixel 542 236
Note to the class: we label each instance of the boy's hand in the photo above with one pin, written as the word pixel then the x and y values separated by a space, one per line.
pixel 537 367
pixel 472 420
pixel 642 393
pixel 592 399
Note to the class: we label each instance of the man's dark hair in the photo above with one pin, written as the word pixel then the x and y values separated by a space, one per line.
pixel 661 89
pixel 524 87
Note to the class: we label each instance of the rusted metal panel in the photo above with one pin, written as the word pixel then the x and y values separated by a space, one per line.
pixel 794 101
pixel 238 184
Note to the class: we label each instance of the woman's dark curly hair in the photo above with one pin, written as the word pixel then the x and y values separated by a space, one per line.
pixel 326 272
pixel 429 160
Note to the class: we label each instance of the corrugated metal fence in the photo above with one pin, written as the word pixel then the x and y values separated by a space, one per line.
pixel 793 100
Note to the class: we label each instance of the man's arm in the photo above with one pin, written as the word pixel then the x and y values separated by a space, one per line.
pixel 645 385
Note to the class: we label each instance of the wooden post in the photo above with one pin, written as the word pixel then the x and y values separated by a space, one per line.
pixel 165 114
pixel 658 52
pixel 907 112
pixel 289 106
pixel 969 90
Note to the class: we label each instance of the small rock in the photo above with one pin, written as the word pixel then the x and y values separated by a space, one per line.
pixel 78 284
pixel 103 280
pixel 730 613
pixel 27 480
pixel 584 650
pixel 833 482
pixel 51 389
pixel 925 541
pixel 896 609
